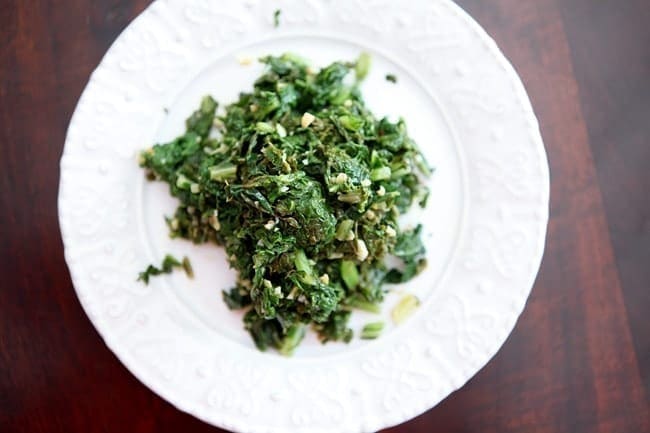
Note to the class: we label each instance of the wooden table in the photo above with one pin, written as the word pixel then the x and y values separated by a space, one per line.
pixel 579 358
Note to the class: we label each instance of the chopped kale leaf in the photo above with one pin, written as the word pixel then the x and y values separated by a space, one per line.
pixel 168 265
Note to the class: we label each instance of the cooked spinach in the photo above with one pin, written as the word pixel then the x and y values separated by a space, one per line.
pixel 392 78
pixel 168 265
pixel 276 18
pixel 303 186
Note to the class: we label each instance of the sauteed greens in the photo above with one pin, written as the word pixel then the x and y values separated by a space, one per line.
pixel 303 186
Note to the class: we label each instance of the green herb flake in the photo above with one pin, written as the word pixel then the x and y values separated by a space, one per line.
pixel 276 18
pixel 391 78
pixel 187 267
pixel 168 265
pixel 303 186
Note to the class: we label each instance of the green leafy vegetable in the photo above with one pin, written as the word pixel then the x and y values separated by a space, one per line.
pixel 392 78
pixel 168 265
pixel 303 186
pixel 372 330
pixel 276 18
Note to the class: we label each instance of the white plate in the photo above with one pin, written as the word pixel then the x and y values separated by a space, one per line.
pixel 485 225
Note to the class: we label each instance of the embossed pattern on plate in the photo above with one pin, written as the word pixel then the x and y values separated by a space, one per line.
pixel 460 326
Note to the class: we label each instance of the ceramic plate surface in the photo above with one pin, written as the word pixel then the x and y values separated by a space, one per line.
pixel 485 224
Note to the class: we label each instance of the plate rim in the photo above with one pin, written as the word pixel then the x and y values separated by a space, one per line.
pixel 126 358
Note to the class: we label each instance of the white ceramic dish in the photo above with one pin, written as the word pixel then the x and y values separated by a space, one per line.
pixel 485 225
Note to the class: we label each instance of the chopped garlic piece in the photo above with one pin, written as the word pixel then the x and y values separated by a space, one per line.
pixel 361 250
pixel 213 220
pixel 245 60
pixel 341 178
pixel 307 119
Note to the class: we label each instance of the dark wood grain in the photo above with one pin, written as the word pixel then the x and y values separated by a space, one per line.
pixel 579 358
pixel 614 84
